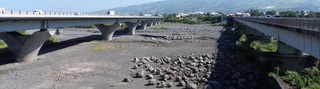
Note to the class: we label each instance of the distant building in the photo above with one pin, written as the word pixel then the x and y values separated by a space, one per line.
pixel 198 14
pixel 215 14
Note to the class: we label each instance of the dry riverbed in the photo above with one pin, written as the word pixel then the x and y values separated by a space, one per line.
pixel 180 55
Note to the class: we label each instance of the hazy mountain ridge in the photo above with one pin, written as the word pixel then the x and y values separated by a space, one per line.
pixel 175 6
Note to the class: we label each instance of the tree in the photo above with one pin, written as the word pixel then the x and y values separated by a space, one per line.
pixel 255 12
pixel 272 12
pixel 289 14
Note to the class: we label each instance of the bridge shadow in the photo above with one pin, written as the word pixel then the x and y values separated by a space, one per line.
pixel 68 43
pixel 7 58
pixel 230 67
pixel 76 41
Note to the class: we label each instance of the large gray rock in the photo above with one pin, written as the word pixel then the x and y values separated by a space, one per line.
pixel 191 86
pixel 140 74
pixel 127 80
pixel 152 82
pixel 150 76
pixel 136 60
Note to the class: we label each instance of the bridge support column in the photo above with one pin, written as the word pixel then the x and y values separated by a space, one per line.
pixel 151 23
pixel 144 24
pixel 132 26
pixel 107 32
pixel 158 22
pixel 25 48
pixel 155 22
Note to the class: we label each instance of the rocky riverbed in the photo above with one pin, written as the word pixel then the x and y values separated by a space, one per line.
pixel 164 56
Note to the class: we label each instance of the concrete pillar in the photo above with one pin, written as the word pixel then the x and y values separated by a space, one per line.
pixel 132 26
pixel 286 49
pixel 107 32
pixel 158 22
pixel 155 22
pixel 144 24
pixel 25 48
pixel 151 23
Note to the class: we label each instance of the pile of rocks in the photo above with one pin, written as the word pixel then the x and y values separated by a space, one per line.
pixel 188 71
pixel 216 71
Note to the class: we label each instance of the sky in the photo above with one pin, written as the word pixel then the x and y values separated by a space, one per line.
pixel 69 5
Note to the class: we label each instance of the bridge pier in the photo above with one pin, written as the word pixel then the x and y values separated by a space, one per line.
pixel 156 22
pixel 132 26
pixel 151 23
pixel 25 48
pixel 144 24
pixel 107 32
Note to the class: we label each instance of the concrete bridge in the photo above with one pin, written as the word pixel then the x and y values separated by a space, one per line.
pixel 294 35
pixel 25 48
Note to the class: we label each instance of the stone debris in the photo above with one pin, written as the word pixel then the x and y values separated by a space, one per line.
pixel 150 76
pixel 127 80
pixel 191 72
pixel 135 67
pixel 152 82
pixel 140 74
pixel 191 86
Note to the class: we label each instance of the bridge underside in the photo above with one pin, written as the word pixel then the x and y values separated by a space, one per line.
pixel 25 48
pixel 298 39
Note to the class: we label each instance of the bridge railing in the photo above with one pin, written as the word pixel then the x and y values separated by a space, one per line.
pixel 35 12
pixel 301 23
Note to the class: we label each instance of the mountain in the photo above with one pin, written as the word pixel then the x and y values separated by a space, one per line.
pixel 176 6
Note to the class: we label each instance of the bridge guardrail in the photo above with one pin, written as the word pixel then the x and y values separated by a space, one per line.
pixel 34 12
pixel 312 24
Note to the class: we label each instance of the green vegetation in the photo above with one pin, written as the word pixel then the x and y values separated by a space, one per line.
pixel 257 45
pixel 270 47
pixel 308 79
pixel 275 73
pixel 242 38
pixel 22 32
pixel 195 19
pixel 51 40
pixel 256 12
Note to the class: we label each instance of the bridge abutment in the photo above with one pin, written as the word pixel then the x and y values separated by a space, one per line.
pixel 107 32
pixel 25 48
pixel 132 26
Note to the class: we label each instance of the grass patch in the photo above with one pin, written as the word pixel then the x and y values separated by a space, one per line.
pixel 121 47
pixel 105 47
pixel 3 44
pixel 101 47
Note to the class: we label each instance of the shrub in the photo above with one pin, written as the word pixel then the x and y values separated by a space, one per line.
pixel 309 79
pixel 275 73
